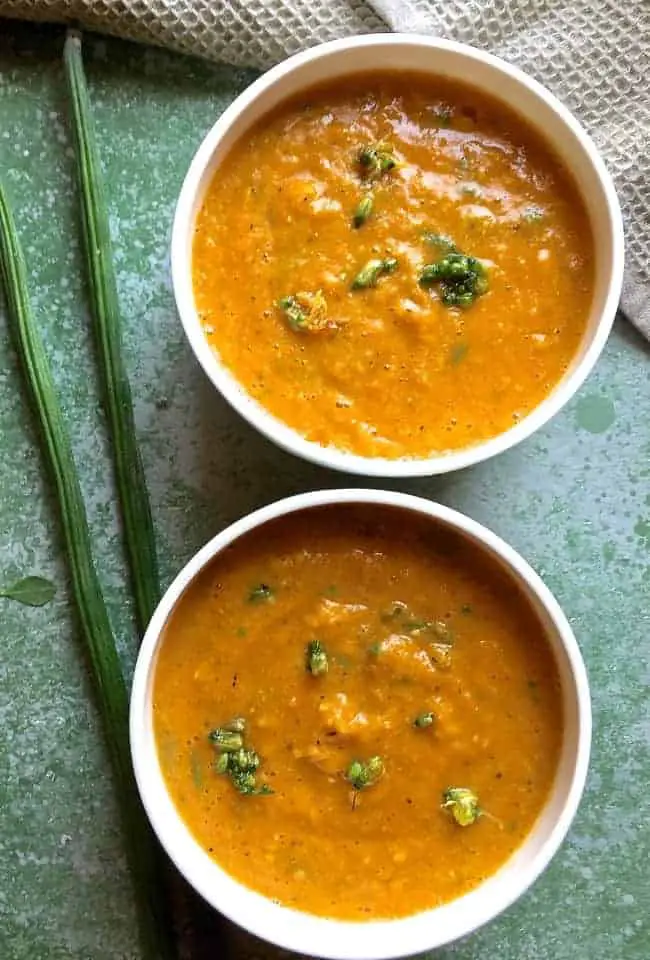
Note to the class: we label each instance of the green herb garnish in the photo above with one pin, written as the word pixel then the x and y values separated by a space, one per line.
pixel 262 593
pixel 242 768
pixel 362 775
pixel 247 760
pixel 372 271
pixel 221 764
pixel 247 786
pixel 461 279
pixel 227 741
pixel 376 160
pixel 363 211
pixel 235 760
pixel 316 658
pixel 462 804
pixel 306 312
pixel 424 720
pixel 31 591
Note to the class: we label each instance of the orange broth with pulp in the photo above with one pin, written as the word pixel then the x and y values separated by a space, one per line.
pixel 413 621
pixel 390 370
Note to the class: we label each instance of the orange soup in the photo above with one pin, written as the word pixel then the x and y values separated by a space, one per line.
pixel 357 713
pixel 394 265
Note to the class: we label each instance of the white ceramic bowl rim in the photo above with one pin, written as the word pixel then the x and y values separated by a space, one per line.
pixel 250 409
pixel 317 936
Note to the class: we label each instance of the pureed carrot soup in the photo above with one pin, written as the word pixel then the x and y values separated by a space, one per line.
pixel 394 265
pixel 357 714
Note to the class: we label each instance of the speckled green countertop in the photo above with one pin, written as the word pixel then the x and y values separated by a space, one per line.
pixel 575 500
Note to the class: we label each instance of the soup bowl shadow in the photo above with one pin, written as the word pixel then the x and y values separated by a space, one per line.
pixel 374 939
pixel 436 57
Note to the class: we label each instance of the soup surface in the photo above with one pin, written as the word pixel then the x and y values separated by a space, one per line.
pixel 373 661
pixel 400 171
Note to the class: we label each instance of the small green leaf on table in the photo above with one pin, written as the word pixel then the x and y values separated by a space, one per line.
pixel 31 591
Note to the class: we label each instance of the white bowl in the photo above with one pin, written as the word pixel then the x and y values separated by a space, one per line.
pixel 441 58
pixel 371 940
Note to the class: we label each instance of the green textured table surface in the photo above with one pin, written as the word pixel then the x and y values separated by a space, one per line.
pixel 575 500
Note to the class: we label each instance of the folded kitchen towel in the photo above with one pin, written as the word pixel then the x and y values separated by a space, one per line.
pixel 593 54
